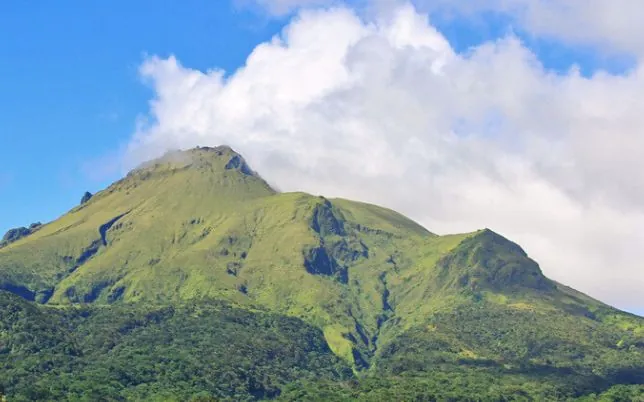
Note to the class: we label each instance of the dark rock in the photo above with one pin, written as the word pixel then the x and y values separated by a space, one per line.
pixel 16 234
pixel 18 290
pixel 43 296
pixel 86 197
pixel 238 163
pixel 96 291
pixel 317 261
pixel 325 221
pixel 102 230
pixel 232 268
pixel 360 361
pixel 116 294
pixel 243 289
pixel 87 253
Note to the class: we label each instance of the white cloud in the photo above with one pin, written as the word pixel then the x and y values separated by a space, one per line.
pixel 283 7
pixel 613 26
pixel 385 111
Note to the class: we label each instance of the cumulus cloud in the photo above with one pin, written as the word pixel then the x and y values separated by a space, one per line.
pixel 383 110
pixel 614 26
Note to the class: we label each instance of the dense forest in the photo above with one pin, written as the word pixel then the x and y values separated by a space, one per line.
pixel 163 353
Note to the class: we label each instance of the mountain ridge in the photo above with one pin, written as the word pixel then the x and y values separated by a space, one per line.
pixel 388 295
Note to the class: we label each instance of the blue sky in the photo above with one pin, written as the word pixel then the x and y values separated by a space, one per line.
pixel 70 90
pixel 71 93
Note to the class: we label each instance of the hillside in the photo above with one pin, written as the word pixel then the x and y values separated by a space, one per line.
pixel 163 353
pixel 390 299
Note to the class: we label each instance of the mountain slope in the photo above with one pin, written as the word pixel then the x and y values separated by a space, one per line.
pixel 390 297
pixel 202 224
pixel 165 353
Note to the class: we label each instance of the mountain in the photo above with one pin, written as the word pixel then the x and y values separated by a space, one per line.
pixel 391 300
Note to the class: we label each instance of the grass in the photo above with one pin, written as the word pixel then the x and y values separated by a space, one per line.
pixel 335 336
pixel 190 229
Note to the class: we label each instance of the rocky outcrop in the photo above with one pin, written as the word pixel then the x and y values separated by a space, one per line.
pixel 16 234
pixel 238 163
pixel 86 197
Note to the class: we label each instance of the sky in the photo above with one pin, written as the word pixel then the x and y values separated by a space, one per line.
pixel 523 116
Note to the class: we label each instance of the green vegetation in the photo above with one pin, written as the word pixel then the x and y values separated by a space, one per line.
pixel 16 234
pixel 212 349
pixel 143 352
pixel 454 386
pixel 191 275
pixel 572 356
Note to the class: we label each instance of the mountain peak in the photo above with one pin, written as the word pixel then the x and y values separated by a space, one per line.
pixel 221 166
pixel 487 260
pixel 217 158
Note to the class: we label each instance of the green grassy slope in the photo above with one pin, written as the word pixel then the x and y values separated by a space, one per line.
pixel 202 224
pixel 390 297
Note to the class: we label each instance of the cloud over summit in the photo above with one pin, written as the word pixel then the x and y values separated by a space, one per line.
pixel 384 110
